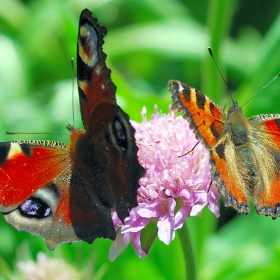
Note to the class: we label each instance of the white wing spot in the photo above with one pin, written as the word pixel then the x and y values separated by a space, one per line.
pixel 14 150
pixel 180 87
pixel 98 70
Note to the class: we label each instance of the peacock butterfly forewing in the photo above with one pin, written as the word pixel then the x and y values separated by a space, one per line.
pixel 65 193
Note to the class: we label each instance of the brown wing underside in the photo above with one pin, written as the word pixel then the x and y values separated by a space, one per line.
pixel 109 135
pixel 96 90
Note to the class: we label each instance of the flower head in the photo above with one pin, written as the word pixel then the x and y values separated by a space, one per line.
pixel 46 268
pixel 177 183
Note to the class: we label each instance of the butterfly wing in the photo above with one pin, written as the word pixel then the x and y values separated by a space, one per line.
pixel 39 194
pixel 206 119
pixel 96 90
pixel 27 166
pixel 266 135
pixel 107 126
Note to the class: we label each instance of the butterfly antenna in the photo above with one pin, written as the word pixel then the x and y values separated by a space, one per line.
pixel 49 133
pixel 210 51
pixel 72 66
pixel 277 76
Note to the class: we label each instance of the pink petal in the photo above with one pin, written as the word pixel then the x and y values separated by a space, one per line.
pixel 136 243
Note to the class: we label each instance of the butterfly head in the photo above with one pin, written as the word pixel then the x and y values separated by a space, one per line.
pixel 234 109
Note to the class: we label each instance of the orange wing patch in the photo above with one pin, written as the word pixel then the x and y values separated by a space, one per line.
pixel 204 116
pixel 234 195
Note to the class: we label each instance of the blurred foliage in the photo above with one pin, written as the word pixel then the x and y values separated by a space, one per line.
pixel 148 43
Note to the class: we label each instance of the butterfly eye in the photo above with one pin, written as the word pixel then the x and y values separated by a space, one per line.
pixel 35 207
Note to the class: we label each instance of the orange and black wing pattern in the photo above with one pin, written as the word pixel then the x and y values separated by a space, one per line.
pixel 206 119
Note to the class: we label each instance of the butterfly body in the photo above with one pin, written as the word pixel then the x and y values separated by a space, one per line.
pixel 66 193
pixel 244 153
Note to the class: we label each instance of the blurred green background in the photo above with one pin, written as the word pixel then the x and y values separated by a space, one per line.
pixel 148 43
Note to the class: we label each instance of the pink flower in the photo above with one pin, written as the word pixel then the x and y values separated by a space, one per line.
pixel 177 183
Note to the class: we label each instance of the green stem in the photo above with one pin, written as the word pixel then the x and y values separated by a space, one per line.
pixel 188 252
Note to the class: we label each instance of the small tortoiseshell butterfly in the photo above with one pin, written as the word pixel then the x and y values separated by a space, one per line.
pixel 65 193
pixel 244 153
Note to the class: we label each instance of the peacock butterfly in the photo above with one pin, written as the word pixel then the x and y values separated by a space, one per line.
pixel 65 193
pixel 244 153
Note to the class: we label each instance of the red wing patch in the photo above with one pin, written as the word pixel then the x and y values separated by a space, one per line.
pixel 38 166
pixel 266 131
